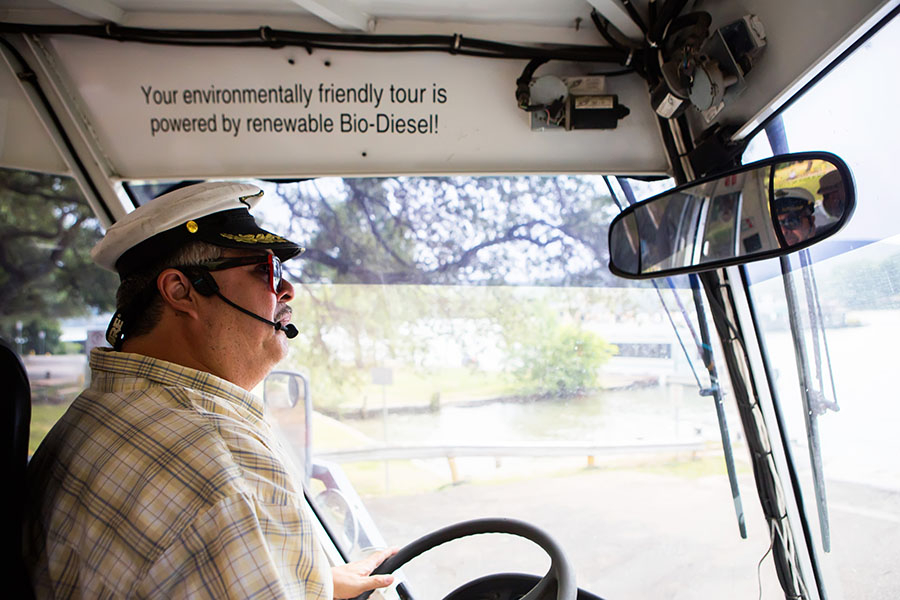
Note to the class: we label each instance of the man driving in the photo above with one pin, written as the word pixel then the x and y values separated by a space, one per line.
pixel 794 209
pixel 163 478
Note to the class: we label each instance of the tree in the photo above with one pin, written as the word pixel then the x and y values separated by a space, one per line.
pixel 560 358
pixel 47 230
pixel 441 232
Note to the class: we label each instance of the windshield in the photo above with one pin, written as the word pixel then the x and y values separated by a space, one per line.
pixel 469 354
pixel 845 298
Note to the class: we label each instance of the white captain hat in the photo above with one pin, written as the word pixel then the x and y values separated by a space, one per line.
pixel 217 213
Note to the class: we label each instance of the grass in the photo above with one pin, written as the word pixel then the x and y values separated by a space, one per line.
pixel 43 417
pixel 808 180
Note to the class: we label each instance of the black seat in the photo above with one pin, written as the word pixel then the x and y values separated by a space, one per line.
pixel 17 425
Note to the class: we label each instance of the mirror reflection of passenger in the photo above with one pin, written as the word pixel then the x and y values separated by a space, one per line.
pixel 831 187
pixel 794 209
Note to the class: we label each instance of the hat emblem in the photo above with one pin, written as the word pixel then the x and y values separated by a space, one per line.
pixel 254 238
pixel 192 226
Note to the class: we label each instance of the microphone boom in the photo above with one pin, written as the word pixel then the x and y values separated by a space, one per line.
pixel 289 330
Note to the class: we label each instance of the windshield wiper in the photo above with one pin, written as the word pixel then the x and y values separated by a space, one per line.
pixel 820 403
pixel 716 392
pixel 705 350
pixel 813 398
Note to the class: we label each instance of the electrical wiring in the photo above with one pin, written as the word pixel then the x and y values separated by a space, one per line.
pixel 762 459
pixel 768 551
pixel 624 53
pixel 603 27
pixel 276 38
pixel 635 16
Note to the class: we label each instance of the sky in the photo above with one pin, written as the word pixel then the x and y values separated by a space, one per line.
pixel 853 112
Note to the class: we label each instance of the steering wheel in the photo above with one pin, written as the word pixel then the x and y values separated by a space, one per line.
pixel 560 573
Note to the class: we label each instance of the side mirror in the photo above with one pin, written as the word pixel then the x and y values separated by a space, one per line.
pixel 757 211
pixel 340 517
pixel 283 391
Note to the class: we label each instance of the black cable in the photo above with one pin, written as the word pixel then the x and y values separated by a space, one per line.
pixel 600 24
pixel 670 9
pixel 618 73
pixel 610 33
pixel 688 30
pixel 273 38
pixel 635 15
pixel 523 91
pixel 672 150
pixel 612 193
pixel 782 430
pixel 765 479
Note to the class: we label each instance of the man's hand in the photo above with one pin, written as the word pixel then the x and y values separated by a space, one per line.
pixel 353 579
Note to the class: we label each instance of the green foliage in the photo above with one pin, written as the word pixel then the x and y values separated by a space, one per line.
pixel 47 231
pixel 804 175
pixel 346 330
pixel 568 360
pixel 551 355
pixel 30 336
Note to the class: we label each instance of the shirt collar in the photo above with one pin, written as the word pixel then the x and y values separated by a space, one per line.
pixel 108 366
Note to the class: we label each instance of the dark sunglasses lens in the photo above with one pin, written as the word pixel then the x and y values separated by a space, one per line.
pixel 791 221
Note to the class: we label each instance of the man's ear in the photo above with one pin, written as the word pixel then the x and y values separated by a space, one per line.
pixel 177 292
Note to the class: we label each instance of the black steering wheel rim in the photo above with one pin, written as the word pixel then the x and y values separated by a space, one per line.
pixel 560 570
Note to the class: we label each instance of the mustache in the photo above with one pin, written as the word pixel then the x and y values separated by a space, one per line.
pixel 286 311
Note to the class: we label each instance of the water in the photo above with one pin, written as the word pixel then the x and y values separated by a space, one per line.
pixel 658 414
pixel 859 443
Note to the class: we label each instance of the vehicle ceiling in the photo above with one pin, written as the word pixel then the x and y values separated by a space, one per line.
pixel 558 13
pixel 802 37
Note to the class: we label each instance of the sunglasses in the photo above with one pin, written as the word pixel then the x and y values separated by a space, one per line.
pixel 272 262
pixel 792 220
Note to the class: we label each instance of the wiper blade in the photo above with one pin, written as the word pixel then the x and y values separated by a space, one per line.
pixel 811 398
pixel 715 391
pixel 705 350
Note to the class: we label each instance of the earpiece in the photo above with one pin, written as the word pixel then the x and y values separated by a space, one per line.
pixel 201 280
pixel 206 285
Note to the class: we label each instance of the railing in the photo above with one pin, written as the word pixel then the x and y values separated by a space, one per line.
pixel 546 449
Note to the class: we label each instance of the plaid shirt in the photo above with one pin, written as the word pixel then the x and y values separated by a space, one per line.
pixel 163 481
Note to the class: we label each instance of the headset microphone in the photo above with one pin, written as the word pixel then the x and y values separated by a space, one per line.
pixel 207 286
pixel 289 330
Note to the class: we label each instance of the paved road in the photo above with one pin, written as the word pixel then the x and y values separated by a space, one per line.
pixel 642 535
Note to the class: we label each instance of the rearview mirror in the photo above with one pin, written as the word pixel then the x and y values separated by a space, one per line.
pixel 757 211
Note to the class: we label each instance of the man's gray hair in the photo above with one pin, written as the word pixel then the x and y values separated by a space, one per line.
pixel 141 284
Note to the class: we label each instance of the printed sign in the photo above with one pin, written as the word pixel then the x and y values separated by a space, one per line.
pixel 166 112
